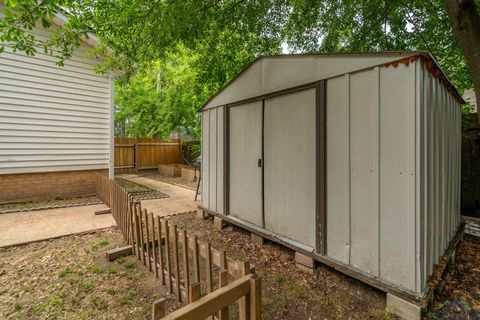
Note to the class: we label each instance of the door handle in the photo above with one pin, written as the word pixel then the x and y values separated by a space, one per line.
pixel 259 163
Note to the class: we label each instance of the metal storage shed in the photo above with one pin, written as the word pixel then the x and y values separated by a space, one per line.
pixel 352 159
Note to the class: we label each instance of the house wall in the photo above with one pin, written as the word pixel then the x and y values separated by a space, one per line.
pixel 52 118
pixel 46 185
pixel 54 123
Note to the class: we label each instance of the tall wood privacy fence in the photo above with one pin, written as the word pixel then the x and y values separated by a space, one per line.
pixel 186 265
pixel 133 154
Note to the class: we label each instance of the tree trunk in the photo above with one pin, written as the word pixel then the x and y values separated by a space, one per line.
pixel 465 21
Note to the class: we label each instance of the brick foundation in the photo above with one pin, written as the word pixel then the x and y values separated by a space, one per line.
pixel 47 185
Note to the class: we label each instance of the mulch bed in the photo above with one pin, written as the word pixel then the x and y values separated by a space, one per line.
pixel 461 295
pixel 48 204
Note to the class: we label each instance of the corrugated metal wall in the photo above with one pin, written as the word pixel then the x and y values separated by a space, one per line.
pixel 441 150
pixel 381 123
pixel 52 118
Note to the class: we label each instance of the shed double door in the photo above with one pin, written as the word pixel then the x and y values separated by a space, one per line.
pixel 272 165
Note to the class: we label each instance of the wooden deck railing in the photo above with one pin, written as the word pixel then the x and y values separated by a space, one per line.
pixel 184 263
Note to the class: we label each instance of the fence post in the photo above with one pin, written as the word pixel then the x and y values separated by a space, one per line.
pixel 194 292
pixel 159 309
pixel 135 156
pixel 244 303
pixel 223 281
pixel 256 298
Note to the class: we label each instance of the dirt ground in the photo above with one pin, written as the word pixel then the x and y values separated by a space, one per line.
pixel 289 293
pixel 70 278
pixel 461 295
pixel 47 204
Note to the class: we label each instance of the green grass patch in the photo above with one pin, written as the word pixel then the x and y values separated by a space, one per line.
pixel 96 269
pixel 280 278
pixel 65 272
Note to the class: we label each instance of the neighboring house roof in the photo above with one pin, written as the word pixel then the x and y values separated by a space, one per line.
pixel 334 64
pixel 60 19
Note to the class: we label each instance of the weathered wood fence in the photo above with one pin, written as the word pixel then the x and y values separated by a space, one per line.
pixel 103 187
pixel 185 264
pixel 133 154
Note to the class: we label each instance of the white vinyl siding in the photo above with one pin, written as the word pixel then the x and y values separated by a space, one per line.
pixel 52 118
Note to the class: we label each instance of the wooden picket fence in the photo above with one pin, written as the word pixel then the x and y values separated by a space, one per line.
pixel 183 263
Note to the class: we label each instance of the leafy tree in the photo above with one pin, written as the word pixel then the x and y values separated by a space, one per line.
pixel 226 34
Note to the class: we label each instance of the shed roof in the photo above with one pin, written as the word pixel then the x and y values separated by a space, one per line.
pixel 270 73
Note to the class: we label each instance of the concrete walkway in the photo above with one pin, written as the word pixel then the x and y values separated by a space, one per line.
pixel 180 199
pixel 22 227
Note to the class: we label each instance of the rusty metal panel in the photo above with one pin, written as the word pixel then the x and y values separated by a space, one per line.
pixel 245 192
pixel 290 166
pixel 338 168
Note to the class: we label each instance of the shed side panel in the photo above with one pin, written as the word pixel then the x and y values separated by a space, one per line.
pixel 364 173
pixel 205 158
pixel 338 168
pixel 443 166
pixel 421 130
pixel 212 160
pixel 397 175
pixel 430 179
pixel 220 159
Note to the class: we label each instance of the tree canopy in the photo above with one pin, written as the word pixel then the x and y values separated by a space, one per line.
pixel 197 46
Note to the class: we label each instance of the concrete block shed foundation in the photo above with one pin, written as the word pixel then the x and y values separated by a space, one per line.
pixel 352 159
